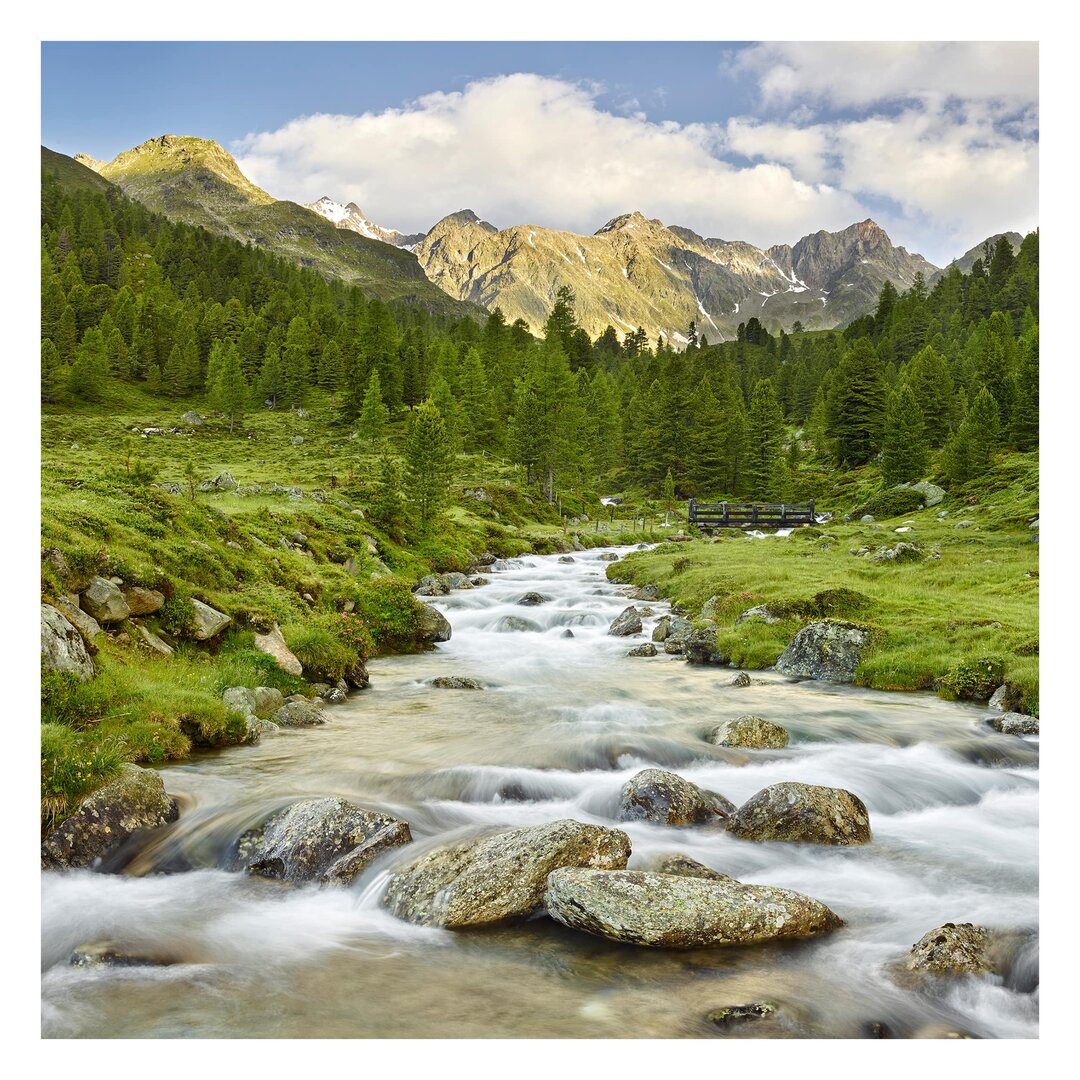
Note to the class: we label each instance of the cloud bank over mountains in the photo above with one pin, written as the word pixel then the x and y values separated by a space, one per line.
pixel 937 142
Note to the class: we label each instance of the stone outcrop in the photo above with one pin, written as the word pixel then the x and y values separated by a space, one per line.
pixel 102 600
pixel 501 876
pixel 627 622
pixel 273 644
pixel 208 622
pixel 825 650
pixel 62 647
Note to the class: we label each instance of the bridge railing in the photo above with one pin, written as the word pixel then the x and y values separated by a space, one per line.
pixel 740 515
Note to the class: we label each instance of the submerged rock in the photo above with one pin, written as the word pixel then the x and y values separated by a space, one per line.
pixel 648 649
pixel 740 680
pixel 751 732
pixel 667 799
pixel 456 682
pixel 501 876
pixel 672 912
pixel 62 647
pixel 515 624
pixel 683 866
pixel 824 650
pixel 805 813
pixel 533 599
pixel 729 1015
pixel 136 799
pixel 566 559
pixel 273 644
pixel 609 556
pixel 627 622
pixel 327 840
pixel 433 626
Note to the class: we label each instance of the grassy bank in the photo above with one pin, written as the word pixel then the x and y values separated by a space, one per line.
pixel 969 614
pixel 295 544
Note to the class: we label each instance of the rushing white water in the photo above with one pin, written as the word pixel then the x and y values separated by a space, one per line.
pixel 563 723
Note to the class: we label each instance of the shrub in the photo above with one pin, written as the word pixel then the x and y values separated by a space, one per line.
pixel 320 648
pixel 972 680
pixel 389 612
pixel 893 502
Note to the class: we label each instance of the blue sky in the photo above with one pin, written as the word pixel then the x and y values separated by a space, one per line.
pixel 761 142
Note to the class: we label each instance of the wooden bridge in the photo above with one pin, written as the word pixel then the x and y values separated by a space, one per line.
pixel 750 515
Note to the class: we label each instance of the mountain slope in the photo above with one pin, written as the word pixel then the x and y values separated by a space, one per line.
pixel 638 272
pixel 967 260
pixel 196 181
pixel 71 173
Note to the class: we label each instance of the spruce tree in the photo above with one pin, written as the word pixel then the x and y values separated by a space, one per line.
pixel 388 508
pixel 230 392
pixel 928 376
pixel 983 428
pixel 429 464
pixel 1024 432
pixel 373 414
pixel 331 371
pixel 90 370
pixel 904 450
pixel 765 472
pixel 857 404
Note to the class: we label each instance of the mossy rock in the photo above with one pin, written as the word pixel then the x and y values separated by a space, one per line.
pixel 972 680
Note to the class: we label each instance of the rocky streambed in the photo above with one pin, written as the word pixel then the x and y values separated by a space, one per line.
pixel 530 833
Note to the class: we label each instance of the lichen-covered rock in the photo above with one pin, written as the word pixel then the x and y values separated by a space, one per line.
pixel 671 628
pixel 268 699
pixel 699 646
pixel 273 644
pixel 62 647
pixel 667 799
pixel 648 649
pixel 931 493
pixel 533 599
pixel 142 601
pixel 102 600
pixel 902 552
pixel 239 699
pixel 1014 723
pixel 675 912
pixel 153 642
pixel 952 949
pixel 456 682
pixel 627 622
pixel 136 799
pixel 301 713
pixel 432 626
pixel 327 840
pixel 761 613
pixel 750 732
pixel 87 625
pixel 515 624
pixel 683 866
pixel 805 813
pixel 741 680
pixel 208 622
pixel 825 650
pixel 501 876
pixel 1006 698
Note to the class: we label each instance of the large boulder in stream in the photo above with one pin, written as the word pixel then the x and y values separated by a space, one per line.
pixel 804 813
pixel 664 911
pixel 134 800
pixel 825 650
pixel 699 646
pixel 627 622
pixel 750 732
pixel 501 876
pixel 432 626
pixel 667 799
pixel 1014 723
pixel 299 713
pixel 62 647
pixel 326 840
pixel 949 950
